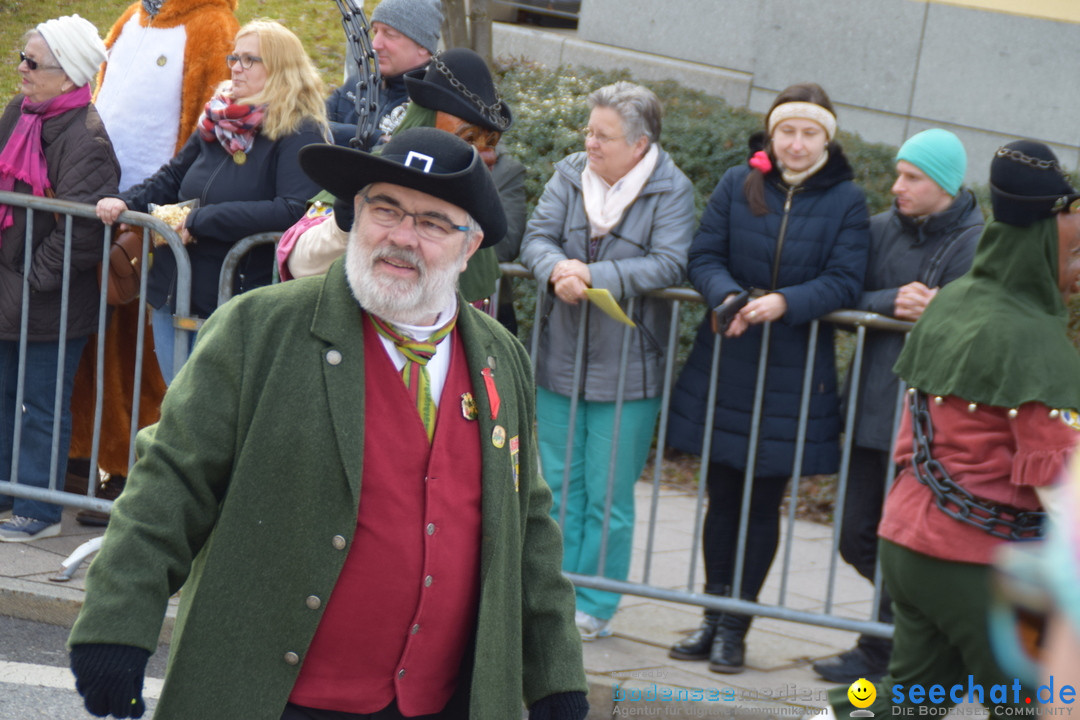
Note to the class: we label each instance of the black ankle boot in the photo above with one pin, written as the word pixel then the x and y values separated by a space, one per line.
pixel 728 652
pixel 699 643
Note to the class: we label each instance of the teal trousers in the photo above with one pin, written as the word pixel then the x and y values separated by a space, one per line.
pixel 585 487
pixel 941 638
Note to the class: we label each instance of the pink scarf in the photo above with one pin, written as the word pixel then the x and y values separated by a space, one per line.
pixel 22 158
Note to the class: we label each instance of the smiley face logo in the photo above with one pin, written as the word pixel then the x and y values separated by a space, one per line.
pixel 862 693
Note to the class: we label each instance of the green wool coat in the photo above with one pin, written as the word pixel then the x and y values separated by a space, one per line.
pixel 246 494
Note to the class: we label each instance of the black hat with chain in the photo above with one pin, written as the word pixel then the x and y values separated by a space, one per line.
pixel 1027 183
pixel 458 82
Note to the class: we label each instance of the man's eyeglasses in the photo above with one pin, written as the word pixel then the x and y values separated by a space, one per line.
pixel 428 226
pixel 589 133
pixel 246 61
pixel 34 64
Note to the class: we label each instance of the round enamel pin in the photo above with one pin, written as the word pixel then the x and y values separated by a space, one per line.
pixel 498 436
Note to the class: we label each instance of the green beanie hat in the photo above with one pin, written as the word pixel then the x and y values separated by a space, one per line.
pixel 939 154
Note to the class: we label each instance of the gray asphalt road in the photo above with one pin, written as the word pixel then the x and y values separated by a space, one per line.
pixel 34 679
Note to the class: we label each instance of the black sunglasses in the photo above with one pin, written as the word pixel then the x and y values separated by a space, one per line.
pixel 34 64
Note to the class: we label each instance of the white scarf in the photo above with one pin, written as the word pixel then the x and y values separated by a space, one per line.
pixel 798 178
pixel 605 204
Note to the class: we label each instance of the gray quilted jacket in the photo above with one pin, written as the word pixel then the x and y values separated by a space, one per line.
pixel 646 251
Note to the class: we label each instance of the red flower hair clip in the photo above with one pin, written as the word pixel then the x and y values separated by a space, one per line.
pixel 760 161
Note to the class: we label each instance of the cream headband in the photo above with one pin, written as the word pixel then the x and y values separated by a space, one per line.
pixel 806 111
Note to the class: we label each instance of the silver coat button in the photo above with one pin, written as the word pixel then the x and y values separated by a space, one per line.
pixel 431 528
pixel 415 629
pixel 427 581
pixel 401 673
pixel 313 602
pixel 338 542
pixel 292 658
pixel 333 357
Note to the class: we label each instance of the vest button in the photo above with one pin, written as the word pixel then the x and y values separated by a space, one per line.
pixel 415 629
pixel 292 658
pixel 401 673
pixel 333 357
pixel 431 528
pixel 338 542
pixel 427 581
pixel 313 602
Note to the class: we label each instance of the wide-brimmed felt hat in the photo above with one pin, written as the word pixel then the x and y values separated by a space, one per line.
pixel 458 82
pixel 424 159
pixel 1027 183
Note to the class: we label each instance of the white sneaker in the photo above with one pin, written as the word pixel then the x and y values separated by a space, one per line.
pixel 592 628
pixel 23 529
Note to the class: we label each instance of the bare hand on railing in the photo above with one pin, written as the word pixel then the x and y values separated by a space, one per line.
pixel 570 279
pixel 911 300
pixel 108 209
pixel 760 310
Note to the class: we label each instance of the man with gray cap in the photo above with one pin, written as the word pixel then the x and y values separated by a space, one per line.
pixel 405 34
pixel 925 240
pixel 345 475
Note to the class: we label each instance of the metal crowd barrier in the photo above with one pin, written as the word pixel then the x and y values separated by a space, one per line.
pixel 640 586
pixel 66 213
pixel 691 592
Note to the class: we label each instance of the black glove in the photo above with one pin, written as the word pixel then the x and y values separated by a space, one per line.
pixel 560 706
pixel 343 213
pixel 110 678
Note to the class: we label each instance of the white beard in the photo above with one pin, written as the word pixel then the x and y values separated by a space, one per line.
pixel 412 302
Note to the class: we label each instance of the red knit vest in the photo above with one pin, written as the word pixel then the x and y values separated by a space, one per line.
pixel 404 607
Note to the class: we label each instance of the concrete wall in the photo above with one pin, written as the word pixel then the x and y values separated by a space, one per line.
pixel 892 67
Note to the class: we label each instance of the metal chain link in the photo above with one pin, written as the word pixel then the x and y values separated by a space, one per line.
pixel 367 95
pixel 1038 163
pixel 999 520
pixel 490 112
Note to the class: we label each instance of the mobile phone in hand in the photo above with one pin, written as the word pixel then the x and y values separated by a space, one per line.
pixel 725 312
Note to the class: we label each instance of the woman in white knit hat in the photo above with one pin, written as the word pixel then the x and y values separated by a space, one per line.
pixel 52 143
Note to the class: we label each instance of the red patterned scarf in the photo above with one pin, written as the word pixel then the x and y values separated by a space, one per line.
pixel 232 124
pixel 22 157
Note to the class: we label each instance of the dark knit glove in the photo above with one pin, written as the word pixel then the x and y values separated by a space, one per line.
pixel 343 213
pixel 110 678
pixel 560 706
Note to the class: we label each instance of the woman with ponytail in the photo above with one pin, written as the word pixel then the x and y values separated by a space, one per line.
pixel 792 229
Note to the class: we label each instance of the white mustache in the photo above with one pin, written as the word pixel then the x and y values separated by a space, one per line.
pixel 405 255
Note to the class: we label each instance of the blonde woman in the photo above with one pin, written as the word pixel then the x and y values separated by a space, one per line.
pixel 240 163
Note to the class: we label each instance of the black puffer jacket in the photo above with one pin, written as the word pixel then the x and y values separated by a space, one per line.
pixel 341 110
pixel 816 235
pixel 267 193
pixel 82 168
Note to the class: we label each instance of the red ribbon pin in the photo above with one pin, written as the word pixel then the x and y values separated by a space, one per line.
pixel 492 391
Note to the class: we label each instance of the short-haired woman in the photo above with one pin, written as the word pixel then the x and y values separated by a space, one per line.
pixel 240 164
pixel 618 216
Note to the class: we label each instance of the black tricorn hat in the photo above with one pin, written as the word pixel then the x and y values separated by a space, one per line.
pixel 1027 183
pixel 457 81
pixel 425 159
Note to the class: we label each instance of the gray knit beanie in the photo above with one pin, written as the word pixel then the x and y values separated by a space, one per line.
pixel 418 20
